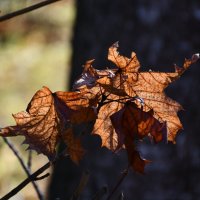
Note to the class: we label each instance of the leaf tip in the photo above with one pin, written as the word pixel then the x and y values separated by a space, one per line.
pixel 195 57
pixel 116 45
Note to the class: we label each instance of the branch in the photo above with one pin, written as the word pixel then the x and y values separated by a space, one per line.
pixel 122 177
pixel 26 10
pixel 31 178
pixel 24 167
pixel 42 177
pixel 26 182
pixel 83 182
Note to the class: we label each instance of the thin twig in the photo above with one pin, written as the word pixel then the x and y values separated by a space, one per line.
pixel 26 10
pixel 14 150
pixel 26 182
pixel 118 100
pixel 42 177
pixel 31 178
pixel 122 177
pixel 29 163
pixel 83 182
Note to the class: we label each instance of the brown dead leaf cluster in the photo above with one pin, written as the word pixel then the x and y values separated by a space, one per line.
pixel 125 104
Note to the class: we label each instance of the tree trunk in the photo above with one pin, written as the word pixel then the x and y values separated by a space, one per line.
pixel 161 33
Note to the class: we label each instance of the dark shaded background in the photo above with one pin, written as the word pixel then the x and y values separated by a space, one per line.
pixel 161 33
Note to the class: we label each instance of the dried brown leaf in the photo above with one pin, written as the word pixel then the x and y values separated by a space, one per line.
pixel 134 122
pixel 39 123
pixel 103 126
pixel 48 116
pixel 88 76
pixel 147 86
pixel 123 63
pixel 74 146
pixel 128 104
pixel 135 160
pixel 131 123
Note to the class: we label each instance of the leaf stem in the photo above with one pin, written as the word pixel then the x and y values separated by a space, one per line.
pixel 32 177
pixel 121 178
pixel 16 153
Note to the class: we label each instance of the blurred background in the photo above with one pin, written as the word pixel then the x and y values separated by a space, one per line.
pixel 48 47
pixel 35 51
